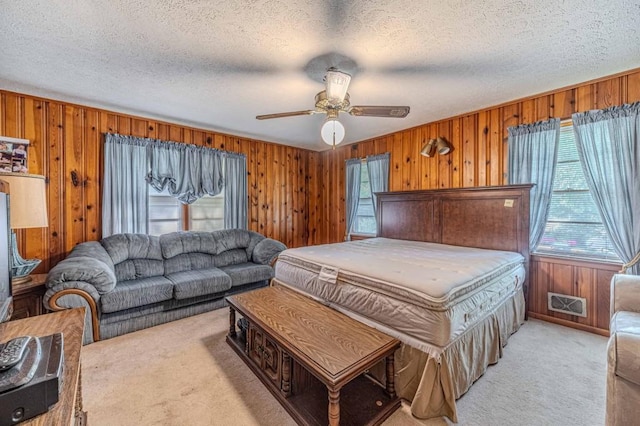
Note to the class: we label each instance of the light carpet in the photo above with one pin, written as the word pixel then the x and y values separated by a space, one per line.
pixel 184 373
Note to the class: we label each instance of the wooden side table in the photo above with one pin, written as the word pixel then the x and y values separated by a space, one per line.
pixel 70 322
pixel 27 297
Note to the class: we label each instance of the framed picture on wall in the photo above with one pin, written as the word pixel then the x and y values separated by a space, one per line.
pixel 13 155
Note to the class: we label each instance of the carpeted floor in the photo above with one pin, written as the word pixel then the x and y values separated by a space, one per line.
pixel 183 373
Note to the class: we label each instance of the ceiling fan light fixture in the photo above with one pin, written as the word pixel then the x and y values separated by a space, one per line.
pixel 337 84
pixel 332 132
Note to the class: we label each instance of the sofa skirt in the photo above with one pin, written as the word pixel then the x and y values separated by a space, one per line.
pixel 122 322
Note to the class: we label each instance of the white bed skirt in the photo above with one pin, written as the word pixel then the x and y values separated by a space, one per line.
pixel 432 381
pixel 433 386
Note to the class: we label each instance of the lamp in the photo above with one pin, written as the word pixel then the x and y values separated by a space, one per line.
pixel 427 149
pixel 440 145
pixel 443 146
pixel 28 209
pixel 332 131
pixel 337 84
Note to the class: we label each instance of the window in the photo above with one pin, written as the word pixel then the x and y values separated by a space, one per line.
pixel 167 214
pixel 365 222
pixel 574 227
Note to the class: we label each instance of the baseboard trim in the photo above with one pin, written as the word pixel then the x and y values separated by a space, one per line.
pixel 571 324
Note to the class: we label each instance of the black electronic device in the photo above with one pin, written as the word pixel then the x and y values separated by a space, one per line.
pixel 32 385
pixel 6 299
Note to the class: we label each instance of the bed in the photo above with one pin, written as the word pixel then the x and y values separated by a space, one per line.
pixel 447 276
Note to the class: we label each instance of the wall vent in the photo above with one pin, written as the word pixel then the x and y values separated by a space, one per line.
pixel 566 304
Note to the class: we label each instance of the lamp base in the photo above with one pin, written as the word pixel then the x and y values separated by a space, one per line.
pixel 21 280
pixel 20 268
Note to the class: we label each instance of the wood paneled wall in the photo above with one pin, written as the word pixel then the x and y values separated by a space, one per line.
pixel 478 158
pixel 297 196
pixel 590 280
pixel 67 147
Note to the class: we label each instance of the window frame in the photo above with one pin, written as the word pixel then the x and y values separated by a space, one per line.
pixel 566 255
pixel 184 211
pixel 364 171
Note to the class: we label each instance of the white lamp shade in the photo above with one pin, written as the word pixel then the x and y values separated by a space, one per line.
pixel 331 129
pixel 337 85
pixel 27 200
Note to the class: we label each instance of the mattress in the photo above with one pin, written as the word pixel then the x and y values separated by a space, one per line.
pixel 425 294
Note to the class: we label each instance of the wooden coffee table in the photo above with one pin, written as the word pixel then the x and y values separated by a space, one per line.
pixel 306 353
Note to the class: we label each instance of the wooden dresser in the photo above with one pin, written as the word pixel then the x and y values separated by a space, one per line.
pixel 70 322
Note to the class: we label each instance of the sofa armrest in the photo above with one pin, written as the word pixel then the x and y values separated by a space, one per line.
pixel 75 294
pixel 623 351
pixel 83 269
pixel 625 293
pixel 267 251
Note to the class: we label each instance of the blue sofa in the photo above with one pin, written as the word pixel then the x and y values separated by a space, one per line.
pixel 128 282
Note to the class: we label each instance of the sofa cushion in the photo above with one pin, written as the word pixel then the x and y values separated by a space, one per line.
pixel 134 255
pixel 139 268
pixel 177 243
pixel 132 246
pixel 230 257
pixel 245 273
pixel 134 293
pixel 188 262
pixel 229 239
pixel 199 282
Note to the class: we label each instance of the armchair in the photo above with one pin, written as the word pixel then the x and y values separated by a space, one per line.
pixel 623 352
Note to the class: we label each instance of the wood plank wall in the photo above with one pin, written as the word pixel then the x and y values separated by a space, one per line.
pixel 295 195
pixel 67 141
pixel 479 158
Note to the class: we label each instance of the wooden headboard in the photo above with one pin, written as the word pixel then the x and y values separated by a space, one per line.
pixel 493 217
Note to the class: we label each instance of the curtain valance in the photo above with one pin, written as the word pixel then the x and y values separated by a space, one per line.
pixel 186 171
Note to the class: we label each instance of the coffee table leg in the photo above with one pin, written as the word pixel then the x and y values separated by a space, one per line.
pixel 232 322
pixel 391 387
pixel 286 374
pixel 334 407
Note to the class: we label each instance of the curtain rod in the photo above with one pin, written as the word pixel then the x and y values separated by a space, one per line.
pixel 365 158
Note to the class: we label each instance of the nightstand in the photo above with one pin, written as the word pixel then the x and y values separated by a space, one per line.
pixel 27 297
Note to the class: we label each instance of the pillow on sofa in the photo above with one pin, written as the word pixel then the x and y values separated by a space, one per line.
pixel 82 268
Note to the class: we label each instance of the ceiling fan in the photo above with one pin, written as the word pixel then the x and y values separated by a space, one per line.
pixel 334 100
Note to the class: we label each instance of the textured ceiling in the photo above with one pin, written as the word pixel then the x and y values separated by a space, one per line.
pixel 218 64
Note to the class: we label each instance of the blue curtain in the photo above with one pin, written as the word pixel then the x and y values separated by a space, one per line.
pixel 235 191
pixel 533 151
pixel 187 171
pixel 352 193
pixel 124 189
pixel 607 142
pixel 378 169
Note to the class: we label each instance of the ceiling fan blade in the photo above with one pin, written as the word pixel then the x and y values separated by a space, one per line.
pixel 379 111
pixel 285 114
